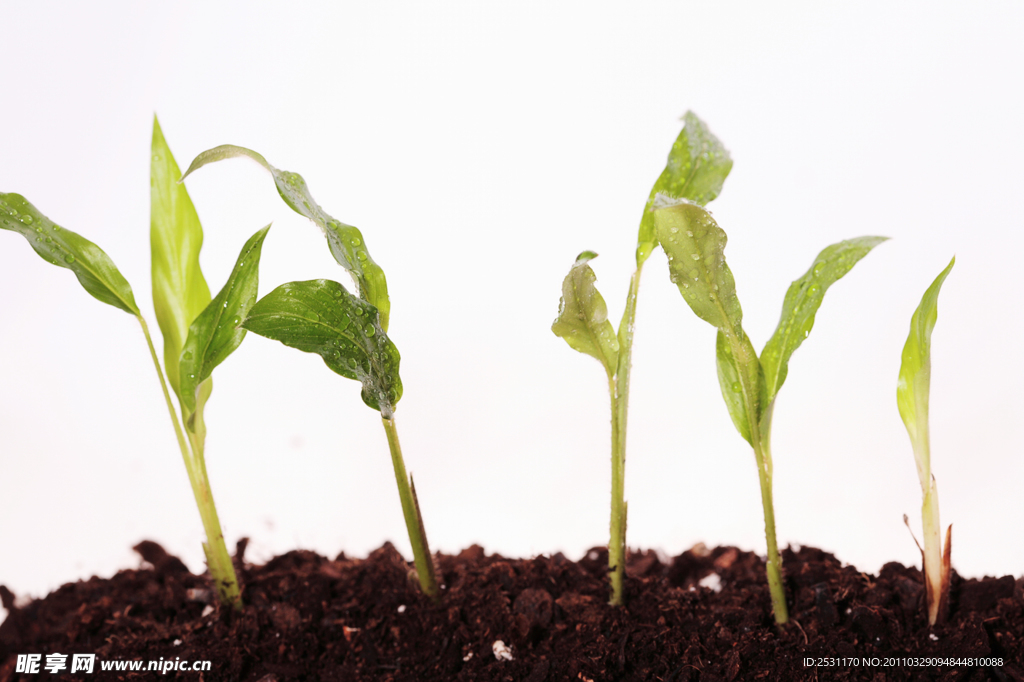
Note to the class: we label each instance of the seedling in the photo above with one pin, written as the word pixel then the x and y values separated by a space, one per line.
pixel 348 332
pixel 695 246
pixel 912 392
pixel 697 167
pixel 198 333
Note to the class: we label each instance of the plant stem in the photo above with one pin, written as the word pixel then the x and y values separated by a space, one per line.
pixel 413 520
pixel 217 558
pixel 763 456
pixel 932 551
pixel 618 389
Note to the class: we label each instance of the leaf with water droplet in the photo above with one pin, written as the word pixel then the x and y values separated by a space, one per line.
pixel 215 334
pixel 180 291
pixel 583 316
pixel 711 292
pixel 287 315
pixel 740 372
pixel 696 170
pixel 91 265
pixel 802 301
pixel 914 384
pixel 342 239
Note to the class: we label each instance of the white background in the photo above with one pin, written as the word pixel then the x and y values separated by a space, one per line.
pixel 480 147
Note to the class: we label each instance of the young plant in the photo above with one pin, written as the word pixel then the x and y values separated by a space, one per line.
pixel 198 333
pixel 695 246
pixel 912 392
pixel 697 167
pixel 348 332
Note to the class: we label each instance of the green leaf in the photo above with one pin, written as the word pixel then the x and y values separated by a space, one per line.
pixel 738 370
pixel 697 167
pixel 695 246
pixel 802 301
pixel 64 248
pixel 914 384
pixel 345 241
pixel 320 317
pixel 583 316
pixel 215 333
pixel 179 290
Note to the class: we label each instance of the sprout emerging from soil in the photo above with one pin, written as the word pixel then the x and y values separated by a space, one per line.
pixel 912 393
pixel 695 246
pixel 697 167
pixel 348 331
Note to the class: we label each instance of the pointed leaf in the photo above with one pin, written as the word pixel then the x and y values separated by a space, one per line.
pixel 738 371
pixel 697 167
pixel 802 301
pixel 64 248
pixel 695 246
pixel 179 290
pixel 345 241
pixel 319 316
pixel 216 333
pixel 914 382
pixel 583 316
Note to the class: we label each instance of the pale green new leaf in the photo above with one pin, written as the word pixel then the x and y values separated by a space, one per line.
pixel 64 248
pixel 697 167
pixel 802 301
pixel 179 290
pixel 914 382
pixel 321 317
pixel 345 241
pixel 216 333
pixel 695 246
pixel 583 316
pixel 739 370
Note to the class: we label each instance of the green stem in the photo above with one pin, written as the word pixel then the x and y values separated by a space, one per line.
pixel 217 558
pixel 413 519
pixel 618 389
pixel 763 456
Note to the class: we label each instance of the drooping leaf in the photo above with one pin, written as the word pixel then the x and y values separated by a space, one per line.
pixel 738 372
pixel 345 241
pixel 180 291
pixel 914 384
pixel 215 333
pixel 697 167
pixel 695 246
pixel 583 316
pixel 64 248
pixel 321 317
pixel 802 301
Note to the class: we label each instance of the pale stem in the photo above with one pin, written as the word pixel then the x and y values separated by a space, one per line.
pixel 413 520
pixel 932 551
pixel 217 558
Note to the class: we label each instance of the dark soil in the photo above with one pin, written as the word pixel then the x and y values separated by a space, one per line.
pixel 311 618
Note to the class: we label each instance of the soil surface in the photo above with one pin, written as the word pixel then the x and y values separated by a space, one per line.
pixel 702 616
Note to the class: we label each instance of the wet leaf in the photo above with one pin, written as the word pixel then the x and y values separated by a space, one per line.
pixel 739 372
pixel 321 317
pixel 696 170
pixel 64 248
pixel 914 384
pixel 216 332
pixel 583 316
pixel 345 241
pixel 802 301
pixel 180 291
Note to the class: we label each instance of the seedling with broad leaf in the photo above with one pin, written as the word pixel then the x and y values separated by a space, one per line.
pixel 695 246
pixel 697 167
pixel 348 331
pixel 912 393
pixel 199 333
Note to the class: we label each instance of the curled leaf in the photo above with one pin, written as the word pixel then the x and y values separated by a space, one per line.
pixel 320 316
pixel 583 316
pixel 66 249
pixel 216 332
pixel 345 241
